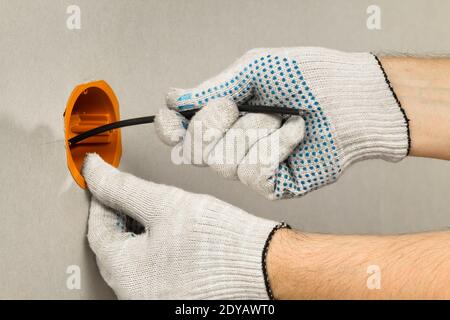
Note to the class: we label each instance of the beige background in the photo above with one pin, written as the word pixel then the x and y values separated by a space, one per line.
pixel 143 47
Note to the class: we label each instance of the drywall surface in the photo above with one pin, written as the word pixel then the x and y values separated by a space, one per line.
pixel 141 48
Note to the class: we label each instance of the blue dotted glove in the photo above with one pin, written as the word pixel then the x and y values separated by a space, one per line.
pixel 349 109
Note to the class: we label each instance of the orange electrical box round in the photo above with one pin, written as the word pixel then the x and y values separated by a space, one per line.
pixel 91 105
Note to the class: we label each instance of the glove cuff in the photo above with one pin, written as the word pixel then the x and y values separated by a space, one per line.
pixel 236 265
pixel 367 119
pixel 380 130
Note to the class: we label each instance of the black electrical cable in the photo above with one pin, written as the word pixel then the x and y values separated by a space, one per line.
pixel 187 114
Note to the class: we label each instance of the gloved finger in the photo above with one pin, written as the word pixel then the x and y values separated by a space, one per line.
pixel 206 128
pixel 113 247
pixel 264 157
pixel 106 233
pixel 235 82
pixel 124 268
pixel 234 146
pixel 141 200
pixel 170 126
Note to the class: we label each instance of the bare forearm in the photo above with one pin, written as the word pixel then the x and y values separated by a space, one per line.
pixel 316 266
pixel 423 87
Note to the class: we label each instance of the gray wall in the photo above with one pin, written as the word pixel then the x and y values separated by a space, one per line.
pixel 143 47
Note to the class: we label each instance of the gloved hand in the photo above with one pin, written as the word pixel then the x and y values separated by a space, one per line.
pixel 194 246
pixel 350 113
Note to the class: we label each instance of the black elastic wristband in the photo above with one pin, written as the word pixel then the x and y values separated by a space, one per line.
pixel 396 99
pixel 281 225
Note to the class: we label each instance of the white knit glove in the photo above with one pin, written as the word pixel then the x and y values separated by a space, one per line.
pixel 194 246
pixel 350 113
